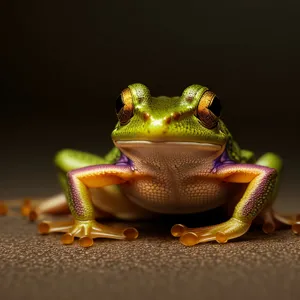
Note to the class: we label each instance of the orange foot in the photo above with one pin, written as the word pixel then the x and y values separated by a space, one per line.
pixel 3 209
pixel 86 231
pixel 26 207
pixel 221 233
pixel 293 220
pixel 28 210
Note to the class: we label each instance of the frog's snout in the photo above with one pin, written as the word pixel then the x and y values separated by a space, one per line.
pixel 162 121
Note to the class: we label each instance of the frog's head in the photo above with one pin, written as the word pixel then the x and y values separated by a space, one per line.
pixel 190 119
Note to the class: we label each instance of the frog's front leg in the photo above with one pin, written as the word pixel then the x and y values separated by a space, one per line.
pixel 84 225
pixel 261 182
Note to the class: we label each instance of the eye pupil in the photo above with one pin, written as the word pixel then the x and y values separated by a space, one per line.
pixel 119 104
pixel 216 107
pixel 124 107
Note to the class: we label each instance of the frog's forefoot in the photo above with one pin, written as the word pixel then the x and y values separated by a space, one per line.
pixel 3 209
pixel 86 231
pixel 221 233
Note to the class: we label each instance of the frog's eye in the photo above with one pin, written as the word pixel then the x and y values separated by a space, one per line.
pixel 209 109
pixel 124 106
pixel 215 106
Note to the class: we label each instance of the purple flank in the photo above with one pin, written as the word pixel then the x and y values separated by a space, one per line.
pixel 125 161
pixel 75 195
pixel 262 191
pixel 222 160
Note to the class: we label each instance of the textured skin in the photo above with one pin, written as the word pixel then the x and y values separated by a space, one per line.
pixel 177 183
pixel 261 184
pixel 95 176
pixel 168 119
pixel 172 155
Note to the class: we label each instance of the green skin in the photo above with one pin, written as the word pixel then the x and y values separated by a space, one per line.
pixel 142 190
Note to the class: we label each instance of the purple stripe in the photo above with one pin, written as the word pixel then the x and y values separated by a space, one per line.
pixel 75 194
pixel 76 198
pixel 125 161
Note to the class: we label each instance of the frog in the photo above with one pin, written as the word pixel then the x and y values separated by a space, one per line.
pixel 170 156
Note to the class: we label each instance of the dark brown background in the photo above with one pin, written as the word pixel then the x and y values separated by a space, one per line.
pixel 63 63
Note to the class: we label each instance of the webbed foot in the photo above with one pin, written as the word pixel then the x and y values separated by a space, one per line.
pixel 3 209
pixel 86 231
pixel 221 233
pixel 26 207
pixel 29 210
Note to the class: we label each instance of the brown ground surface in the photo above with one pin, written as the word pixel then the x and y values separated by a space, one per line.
pixel 156 266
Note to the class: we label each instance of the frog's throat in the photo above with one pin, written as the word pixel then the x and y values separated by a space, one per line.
pixel 174 171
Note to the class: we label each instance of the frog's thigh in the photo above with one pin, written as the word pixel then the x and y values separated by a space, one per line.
pixel 111 200
pixel 68 159
pixel 274 161
pixel 272 219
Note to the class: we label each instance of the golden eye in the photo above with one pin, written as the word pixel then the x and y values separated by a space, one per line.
pixel 209 109
pixel 215 107
pixel 124 106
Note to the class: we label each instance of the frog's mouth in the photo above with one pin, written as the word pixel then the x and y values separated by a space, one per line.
pixel 137 143
pixel 165 154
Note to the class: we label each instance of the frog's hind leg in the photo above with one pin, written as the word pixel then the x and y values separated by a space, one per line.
pixel 292 220
pixel 65 160
pixel 10 207
pixel 271 219
pixel 56 204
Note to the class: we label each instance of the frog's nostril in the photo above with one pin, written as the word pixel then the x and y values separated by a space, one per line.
pixel 168 120
pixel 146 116
pixel 176 116
pixel 173 116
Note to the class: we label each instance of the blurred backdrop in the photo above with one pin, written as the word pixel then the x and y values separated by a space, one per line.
pixel 63 64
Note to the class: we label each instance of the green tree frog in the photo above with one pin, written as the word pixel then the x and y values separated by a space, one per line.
pixel 171 155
